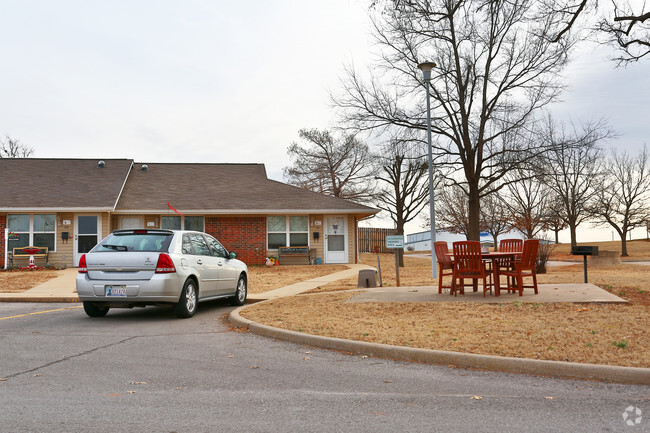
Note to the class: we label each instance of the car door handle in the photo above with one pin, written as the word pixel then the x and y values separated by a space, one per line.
pixel 199 262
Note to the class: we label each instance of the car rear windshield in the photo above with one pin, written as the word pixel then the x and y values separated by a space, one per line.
pixel 144 241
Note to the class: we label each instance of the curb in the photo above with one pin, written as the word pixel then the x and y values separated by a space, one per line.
pixel 41 299
pixel 560 369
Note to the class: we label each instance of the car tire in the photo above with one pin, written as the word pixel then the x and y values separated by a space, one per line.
pixel 241 292
pixel 94 309
pixel 186 306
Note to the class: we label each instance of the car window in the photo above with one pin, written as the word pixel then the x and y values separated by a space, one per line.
pixel 199 246
pixel 216 248
pixel 156 242
pixel 187 245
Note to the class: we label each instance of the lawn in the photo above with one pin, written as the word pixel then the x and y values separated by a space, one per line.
pixel 591 333
pixel 19 280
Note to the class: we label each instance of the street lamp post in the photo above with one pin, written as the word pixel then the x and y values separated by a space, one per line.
pixel 426 68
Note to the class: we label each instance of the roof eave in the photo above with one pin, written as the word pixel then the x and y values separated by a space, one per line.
pixel 365 211
pixel 54 209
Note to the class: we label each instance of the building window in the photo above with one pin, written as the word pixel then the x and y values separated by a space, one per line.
pixel 32 230
pixel 177 222
pixel 285 231
pixel 194 223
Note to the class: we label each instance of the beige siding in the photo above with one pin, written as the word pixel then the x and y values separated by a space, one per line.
pixel 318 244
pixel 64 248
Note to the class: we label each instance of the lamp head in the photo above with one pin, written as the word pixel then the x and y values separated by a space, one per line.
pixel 426 68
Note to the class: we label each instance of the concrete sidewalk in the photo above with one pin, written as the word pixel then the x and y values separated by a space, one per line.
pixel 62 288
pixel 304 286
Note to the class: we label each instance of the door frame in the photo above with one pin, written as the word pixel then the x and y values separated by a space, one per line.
pixel 345 252
pixel 75 244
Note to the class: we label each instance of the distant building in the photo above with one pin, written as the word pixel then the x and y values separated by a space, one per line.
pixel 422 241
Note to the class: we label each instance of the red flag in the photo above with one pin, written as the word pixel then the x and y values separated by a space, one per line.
pixel 170 206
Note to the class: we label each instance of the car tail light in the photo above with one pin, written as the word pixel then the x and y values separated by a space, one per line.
pixel 83 269
pixel 165 265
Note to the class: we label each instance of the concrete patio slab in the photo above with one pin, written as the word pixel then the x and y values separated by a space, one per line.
pixel 547 293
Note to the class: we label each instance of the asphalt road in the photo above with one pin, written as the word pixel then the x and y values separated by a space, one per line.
pixel 145 370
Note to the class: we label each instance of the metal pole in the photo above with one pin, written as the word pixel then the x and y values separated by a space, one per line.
pixel 432 210
pixel 585 262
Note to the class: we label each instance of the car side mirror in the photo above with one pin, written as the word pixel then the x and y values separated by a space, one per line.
pixel 232 255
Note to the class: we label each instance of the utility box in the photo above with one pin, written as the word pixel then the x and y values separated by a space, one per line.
pixel 368 278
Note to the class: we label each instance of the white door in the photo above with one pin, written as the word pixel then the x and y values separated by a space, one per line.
pixel 87 234
pixel 131 222
pixel 336 240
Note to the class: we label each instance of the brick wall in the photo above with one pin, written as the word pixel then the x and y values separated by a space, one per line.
pixel 244 235
pixel 3 226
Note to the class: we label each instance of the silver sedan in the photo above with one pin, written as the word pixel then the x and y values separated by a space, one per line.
pixel 135 268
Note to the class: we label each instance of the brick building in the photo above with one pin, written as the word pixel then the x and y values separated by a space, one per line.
pixel 69 205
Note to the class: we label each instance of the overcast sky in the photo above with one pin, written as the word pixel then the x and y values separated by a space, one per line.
pixel 217 81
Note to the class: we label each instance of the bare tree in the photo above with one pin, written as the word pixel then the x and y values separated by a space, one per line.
pixel 337 167
pixel 10 148
pixel 497 68
pixel 451 210
pixel 404 188
pixel 574 168
pixel 555 220
pixel 629 30
pixel 622 199
pixel 625 26
pixel 528 203
pixel 495 217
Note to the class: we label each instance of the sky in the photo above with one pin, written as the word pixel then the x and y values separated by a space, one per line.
pixel 220 81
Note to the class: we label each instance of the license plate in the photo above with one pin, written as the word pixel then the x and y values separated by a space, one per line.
pixel 118 291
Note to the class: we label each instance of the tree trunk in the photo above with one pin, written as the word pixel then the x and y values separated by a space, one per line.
pixel 474 207
pixel 400 251
pixel 623 244
pixel 574 238
pixel 557 236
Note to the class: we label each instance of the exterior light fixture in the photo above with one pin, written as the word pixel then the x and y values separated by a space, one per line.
pixel 426 68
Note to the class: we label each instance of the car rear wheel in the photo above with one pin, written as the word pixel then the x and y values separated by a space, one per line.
pixel 94 309
pixel 240 294
pixel 186 306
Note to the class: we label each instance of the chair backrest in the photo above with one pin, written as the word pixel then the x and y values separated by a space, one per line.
pixel 467 256
pixel 442 251
pixel 511 245
pixel 529 253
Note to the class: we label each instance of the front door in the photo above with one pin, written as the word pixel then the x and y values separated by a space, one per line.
pixel 87 234
pixel 336 245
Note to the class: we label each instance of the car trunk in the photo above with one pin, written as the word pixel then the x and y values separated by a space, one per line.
pixel 121 265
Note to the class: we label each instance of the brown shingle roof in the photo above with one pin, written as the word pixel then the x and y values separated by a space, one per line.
pixel 78 184
pixel 36 183
pixel 219 188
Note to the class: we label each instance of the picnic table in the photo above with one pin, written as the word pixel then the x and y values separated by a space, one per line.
pixel 497 260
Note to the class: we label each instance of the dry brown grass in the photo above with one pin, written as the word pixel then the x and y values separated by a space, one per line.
pixel 17 281
pixel 568 332
pixel 265 278
pixel 638 249
pixel 261 278
pixel 563 332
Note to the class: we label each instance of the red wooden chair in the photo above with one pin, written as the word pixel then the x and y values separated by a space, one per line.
pixel 524 268
pixel 509 246
pixel 468 264
pixel 444 263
